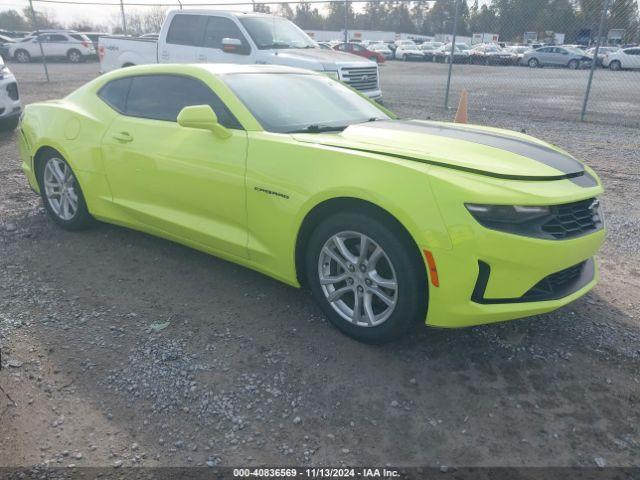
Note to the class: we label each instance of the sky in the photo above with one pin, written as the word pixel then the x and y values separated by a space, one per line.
pixel 106 14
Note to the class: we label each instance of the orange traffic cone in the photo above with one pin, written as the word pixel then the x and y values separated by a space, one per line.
pixel 461 114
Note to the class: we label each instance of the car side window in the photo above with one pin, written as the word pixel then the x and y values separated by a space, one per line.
pixel 115 93
pixel 57 38
pixel 186 30
pixel 161 97
pixel 218 28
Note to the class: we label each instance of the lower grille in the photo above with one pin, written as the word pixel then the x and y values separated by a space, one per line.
pixel 573 219
pixel 360 78
pixel 12 90
pixel 555 284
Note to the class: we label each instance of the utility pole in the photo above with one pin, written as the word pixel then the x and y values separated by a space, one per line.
pixel 124 18
pixel 35 24
pixel 346 21
pixel 594 61
pixel 453 49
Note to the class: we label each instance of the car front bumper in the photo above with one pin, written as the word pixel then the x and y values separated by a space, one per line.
pixel 488 275
pixel 10 105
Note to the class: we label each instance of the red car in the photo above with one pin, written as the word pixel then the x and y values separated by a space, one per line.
pixel 359 50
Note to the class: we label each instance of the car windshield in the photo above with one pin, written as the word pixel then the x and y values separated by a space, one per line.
pixel 301 102
pixel 274 32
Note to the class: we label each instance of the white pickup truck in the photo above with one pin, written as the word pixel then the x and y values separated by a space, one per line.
pixel 214 36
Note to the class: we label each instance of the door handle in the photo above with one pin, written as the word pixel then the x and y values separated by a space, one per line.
pixel 123 137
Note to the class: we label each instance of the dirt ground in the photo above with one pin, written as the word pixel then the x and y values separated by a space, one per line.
pixel 248 371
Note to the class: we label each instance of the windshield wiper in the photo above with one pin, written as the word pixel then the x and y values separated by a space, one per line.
pixel 315 128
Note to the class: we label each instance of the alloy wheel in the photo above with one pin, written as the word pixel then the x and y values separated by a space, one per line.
pixel 74 56
pixel 358 279
pixel 22 57
pixel 60 189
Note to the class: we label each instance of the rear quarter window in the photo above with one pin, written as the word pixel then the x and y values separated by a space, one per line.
pixel 115 93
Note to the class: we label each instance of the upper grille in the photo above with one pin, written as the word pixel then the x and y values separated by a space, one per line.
pixel 555 284
pixel 573 219
pixel 12 90
pixel 360 78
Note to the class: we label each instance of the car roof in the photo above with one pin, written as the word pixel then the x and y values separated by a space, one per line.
pixel 216 69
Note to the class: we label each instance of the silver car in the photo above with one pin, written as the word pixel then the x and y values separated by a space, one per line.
pixel 569 57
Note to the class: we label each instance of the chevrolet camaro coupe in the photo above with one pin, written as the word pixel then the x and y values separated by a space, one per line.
pixel 286 171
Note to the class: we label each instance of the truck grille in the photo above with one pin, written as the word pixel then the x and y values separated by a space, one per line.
pixel 574 219
pixel 360 78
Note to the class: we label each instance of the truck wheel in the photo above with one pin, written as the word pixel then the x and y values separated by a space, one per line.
pixel 22 56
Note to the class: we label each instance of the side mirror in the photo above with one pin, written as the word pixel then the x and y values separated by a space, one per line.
pixel 233 45
pixel 202 117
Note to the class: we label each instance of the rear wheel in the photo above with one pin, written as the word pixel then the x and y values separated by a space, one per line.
pixel 367 278
pixel 22 56
pixel 61 193
pixel 533 63
pixel 74 56
pixel 615 65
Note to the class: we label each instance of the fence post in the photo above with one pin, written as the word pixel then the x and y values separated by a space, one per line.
pixel 346 21
pixel 35 25
pixel 594 62
pixel 453 47
pixel 124 18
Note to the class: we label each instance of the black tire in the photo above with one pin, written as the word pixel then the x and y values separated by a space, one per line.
pixel 74 56
pixel 127 65
pixel 533 63
pixel 22 56
pixel 573 64
pixel 82 219
pixel 9 124
pixel 615 65
pixel 406 261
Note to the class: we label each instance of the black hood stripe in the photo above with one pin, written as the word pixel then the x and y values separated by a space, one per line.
pixel 464 169
pixel 534 151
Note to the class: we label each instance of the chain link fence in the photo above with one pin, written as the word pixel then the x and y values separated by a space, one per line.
pixel 549 59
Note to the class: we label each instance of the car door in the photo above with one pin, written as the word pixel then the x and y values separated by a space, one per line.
pixel 55 45
pixel 187 182
pixel 183 39
pixel 631 58
pixel 213 50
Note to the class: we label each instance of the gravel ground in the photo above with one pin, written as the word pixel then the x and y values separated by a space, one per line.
pixel 123 349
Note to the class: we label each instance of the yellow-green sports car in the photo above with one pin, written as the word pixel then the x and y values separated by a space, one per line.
pixel 291 173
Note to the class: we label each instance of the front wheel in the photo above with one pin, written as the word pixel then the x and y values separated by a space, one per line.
pixel 61 193
pixel 367 276
pixel 615 65
pixel 573 64
pixel 533 63
pixel 22 56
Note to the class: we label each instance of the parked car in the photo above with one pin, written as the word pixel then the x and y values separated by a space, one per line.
pixel 217 36
pixel 429 50
pixel 94 36
pixel 491 54
pixel 569 57
pixel 518 51
pixel 71 45
pixel 5 42
pixel 623 58
pixel 357 49
pixel 382 49
pixel 10 107
pixel 461 54
pixel 407 50
pixel 602 51
pixel 388 222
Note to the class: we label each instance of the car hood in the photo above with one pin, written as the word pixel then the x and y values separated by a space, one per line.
pixel 482 150
pixel 326 59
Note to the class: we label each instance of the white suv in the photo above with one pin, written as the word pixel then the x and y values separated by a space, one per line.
pixel 10 107
pixel 55 43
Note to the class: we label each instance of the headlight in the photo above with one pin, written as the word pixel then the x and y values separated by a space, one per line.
pixel 506 213
pixel 332 74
